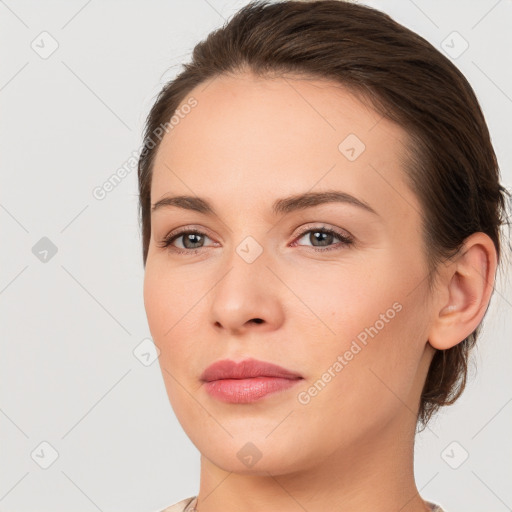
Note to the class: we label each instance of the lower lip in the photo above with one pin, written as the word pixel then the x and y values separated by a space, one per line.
pixel 243 391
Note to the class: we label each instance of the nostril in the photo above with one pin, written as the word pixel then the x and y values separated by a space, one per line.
pixel 257 320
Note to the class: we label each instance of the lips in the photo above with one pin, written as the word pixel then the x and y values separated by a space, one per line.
pixel 246 369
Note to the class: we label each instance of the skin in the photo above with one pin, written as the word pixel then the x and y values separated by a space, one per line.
pixel 248 142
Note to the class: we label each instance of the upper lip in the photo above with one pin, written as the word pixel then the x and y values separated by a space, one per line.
pixel 248 368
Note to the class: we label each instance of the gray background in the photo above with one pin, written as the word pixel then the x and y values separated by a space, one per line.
pixel 70 324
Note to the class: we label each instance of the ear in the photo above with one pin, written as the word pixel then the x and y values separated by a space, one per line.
pixel 464 291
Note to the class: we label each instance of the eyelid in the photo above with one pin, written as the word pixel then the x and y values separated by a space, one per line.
pixel 344 237
pixel 346 240
pixel 188 228
pixel 175 234
pixel 323 226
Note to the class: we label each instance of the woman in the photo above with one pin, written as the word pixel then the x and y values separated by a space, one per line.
pixel 321 210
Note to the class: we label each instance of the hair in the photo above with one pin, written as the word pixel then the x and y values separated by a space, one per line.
pixel 449 161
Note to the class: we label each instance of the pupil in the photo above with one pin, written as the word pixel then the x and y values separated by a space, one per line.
pixel 188 239
pixel 322 237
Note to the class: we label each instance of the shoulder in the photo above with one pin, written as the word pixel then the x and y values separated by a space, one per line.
pixel 434 507
pixel 185 505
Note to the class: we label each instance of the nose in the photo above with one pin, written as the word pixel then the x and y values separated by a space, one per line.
pixel 247 297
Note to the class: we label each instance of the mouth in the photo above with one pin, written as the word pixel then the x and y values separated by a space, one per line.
pixel 246 381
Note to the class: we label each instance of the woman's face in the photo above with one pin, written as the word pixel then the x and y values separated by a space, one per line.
pixel 352 319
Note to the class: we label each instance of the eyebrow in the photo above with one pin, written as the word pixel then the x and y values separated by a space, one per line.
pixel 280 206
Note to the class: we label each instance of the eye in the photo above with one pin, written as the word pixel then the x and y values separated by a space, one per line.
pixel 324 237
pixel 192 240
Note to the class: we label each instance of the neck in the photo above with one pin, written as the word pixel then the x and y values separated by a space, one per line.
pixel 370 475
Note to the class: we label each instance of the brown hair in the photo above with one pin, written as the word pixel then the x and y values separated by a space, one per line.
pixel 449 161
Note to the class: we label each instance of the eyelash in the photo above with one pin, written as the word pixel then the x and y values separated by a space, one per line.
pixel 169 239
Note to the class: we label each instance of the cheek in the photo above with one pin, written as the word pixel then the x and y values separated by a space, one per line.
pixel 175 313
pixel 170 300
pixel 155 304
pixel 372 336
pixel 340 301
pixel 167 315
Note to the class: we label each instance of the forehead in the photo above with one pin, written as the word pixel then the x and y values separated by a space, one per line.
pixel 249 139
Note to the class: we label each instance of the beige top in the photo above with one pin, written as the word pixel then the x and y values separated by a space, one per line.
pixel 188 505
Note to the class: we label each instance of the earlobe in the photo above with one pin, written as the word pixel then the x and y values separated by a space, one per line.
pixel 468 281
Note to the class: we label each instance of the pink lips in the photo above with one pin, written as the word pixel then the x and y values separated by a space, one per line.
pixel 246 381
